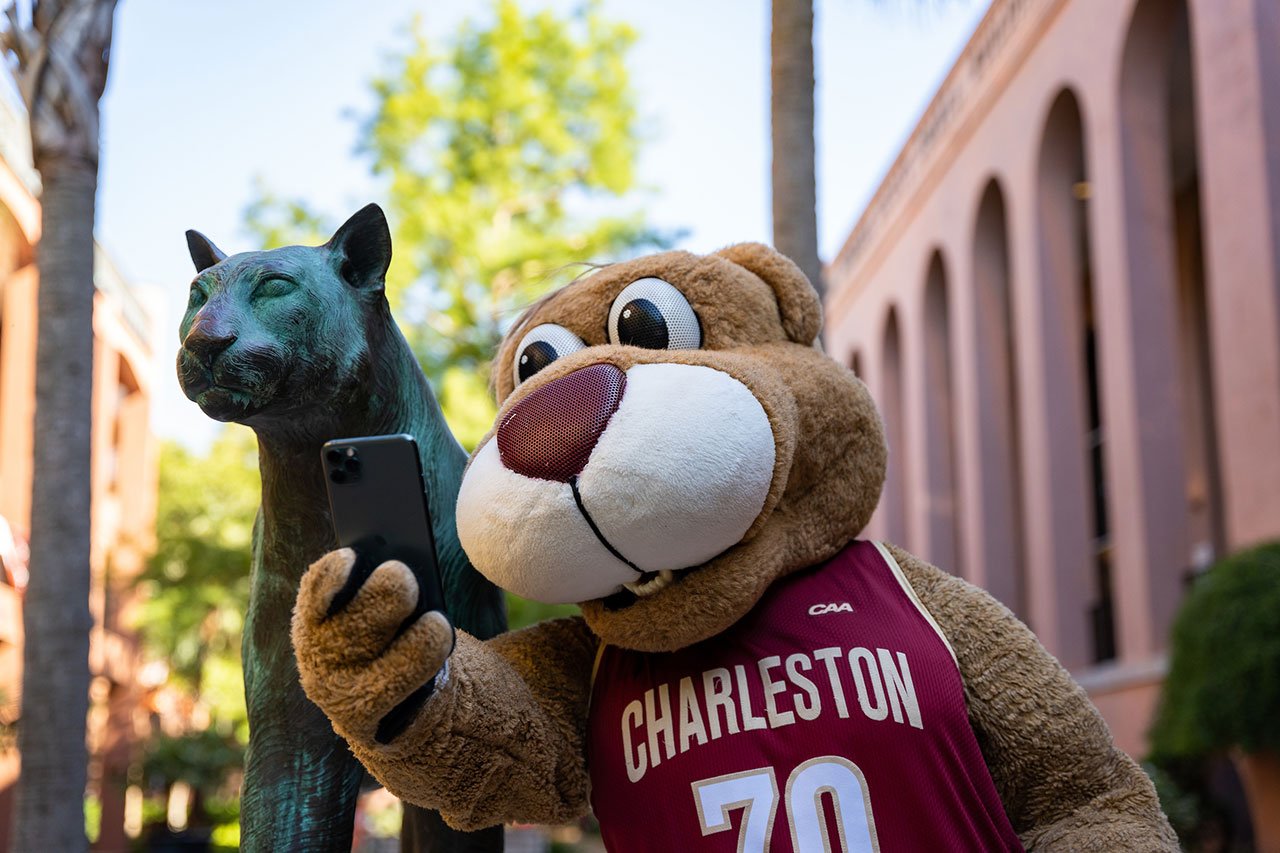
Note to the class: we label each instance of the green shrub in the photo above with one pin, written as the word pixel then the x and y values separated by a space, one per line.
pixel 1223 687
pixel 1181 803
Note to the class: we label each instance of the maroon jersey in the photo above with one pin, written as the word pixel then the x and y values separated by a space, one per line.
pixel 831 717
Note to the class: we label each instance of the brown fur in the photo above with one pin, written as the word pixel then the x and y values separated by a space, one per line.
pixel 502 738
pixel 1063 783
pixel 505 732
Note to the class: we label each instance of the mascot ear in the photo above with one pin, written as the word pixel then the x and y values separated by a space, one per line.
pixel 797 300
pixel 203 253
pixel 364 245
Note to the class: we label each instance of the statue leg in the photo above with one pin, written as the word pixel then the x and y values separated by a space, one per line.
pixel 425 832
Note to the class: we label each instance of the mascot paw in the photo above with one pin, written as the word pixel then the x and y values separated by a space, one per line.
pixel 363 656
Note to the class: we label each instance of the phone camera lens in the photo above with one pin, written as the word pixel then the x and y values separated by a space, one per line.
pixel 352 465
pixel 333 456
pixel 339 476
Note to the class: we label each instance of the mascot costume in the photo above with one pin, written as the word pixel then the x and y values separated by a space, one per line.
pixel 673 454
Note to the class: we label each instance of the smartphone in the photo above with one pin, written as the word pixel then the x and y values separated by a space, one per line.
pixel 377 499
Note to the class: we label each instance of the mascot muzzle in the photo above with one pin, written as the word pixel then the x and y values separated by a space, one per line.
pixel 604 478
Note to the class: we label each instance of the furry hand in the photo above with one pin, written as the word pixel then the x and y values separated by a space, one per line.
pixel 363 656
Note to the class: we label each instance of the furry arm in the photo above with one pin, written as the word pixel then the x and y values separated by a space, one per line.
pixel 1063 782
pixel 502 736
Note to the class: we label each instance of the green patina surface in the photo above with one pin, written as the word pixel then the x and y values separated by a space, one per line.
pixel 299 344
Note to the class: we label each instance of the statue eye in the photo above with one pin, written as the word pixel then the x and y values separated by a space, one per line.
pixel 197 297
pixel 651 313
pixel 542 345
pixel 270 287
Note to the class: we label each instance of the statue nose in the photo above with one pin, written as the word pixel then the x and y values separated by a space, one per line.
pixel 550 434
pixel 206 341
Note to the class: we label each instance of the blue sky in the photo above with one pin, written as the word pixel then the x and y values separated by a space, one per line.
pixel 206 98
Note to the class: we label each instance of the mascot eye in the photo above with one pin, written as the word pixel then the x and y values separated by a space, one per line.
pixel 542 345
pixel 652 314
pixel 197 297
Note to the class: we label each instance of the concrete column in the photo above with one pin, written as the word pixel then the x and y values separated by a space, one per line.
pixel 1135 293
pixel 870 346
pixel 916 411
pixel 1237 80
pixel 894 403
pixel 1047 268
pixel 969 486
pixel 934 400
pixel 986 420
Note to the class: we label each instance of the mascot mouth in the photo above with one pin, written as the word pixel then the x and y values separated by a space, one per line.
pixel 678 473
pixel 649 582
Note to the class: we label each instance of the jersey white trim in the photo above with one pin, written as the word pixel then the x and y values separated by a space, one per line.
pixel 915 599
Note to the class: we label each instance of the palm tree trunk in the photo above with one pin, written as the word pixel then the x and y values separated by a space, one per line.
pixel 59 55
pixel 55 696
pixel 795 217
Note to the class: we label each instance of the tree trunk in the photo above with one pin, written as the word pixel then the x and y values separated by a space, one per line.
pixel 795 216
pixel 55 695
pixel 59 57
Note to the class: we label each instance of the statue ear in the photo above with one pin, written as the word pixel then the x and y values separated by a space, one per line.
pixel 364 245
pixel 203 252
pixel 797 300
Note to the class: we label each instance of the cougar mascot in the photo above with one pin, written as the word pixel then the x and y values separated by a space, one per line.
pixel 673 454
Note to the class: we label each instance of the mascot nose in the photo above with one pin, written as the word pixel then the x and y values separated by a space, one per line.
pixel 550 434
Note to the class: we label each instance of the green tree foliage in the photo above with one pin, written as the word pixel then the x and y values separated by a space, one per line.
pixel 196 588
pixel 277 221
pixel 193 597
pixel 1223 687
pixel 202 759
pixel 507 155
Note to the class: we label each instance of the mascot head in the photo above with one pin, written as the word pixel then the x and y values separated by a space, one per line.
pixel 669 442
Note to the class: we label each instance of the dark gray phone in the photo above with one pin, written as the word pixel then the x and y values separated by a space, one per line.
pixel 379 503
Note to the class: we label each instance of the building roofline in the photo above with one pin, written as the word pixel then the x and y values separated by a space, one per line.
pixel 989 44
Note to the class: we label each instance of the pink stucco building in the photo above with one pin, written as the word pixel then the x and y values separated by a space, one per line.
pixel 1066 298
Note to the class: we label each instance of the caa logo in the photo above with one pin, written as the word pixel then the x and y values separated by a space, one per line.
pixel 820 609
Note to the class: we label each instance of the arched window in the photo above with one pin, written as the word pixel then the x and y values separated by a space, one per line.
pixel 895 487
pixel 941 524
pixel 1000 445
pixel 1077 440
pixel 1166 268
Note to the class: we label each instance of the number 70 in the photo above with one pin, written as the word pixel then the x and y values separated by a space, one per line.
pixel 756 793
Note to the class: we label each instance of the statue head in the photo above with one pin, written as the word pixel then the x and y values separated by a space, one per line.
pixel 284 335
